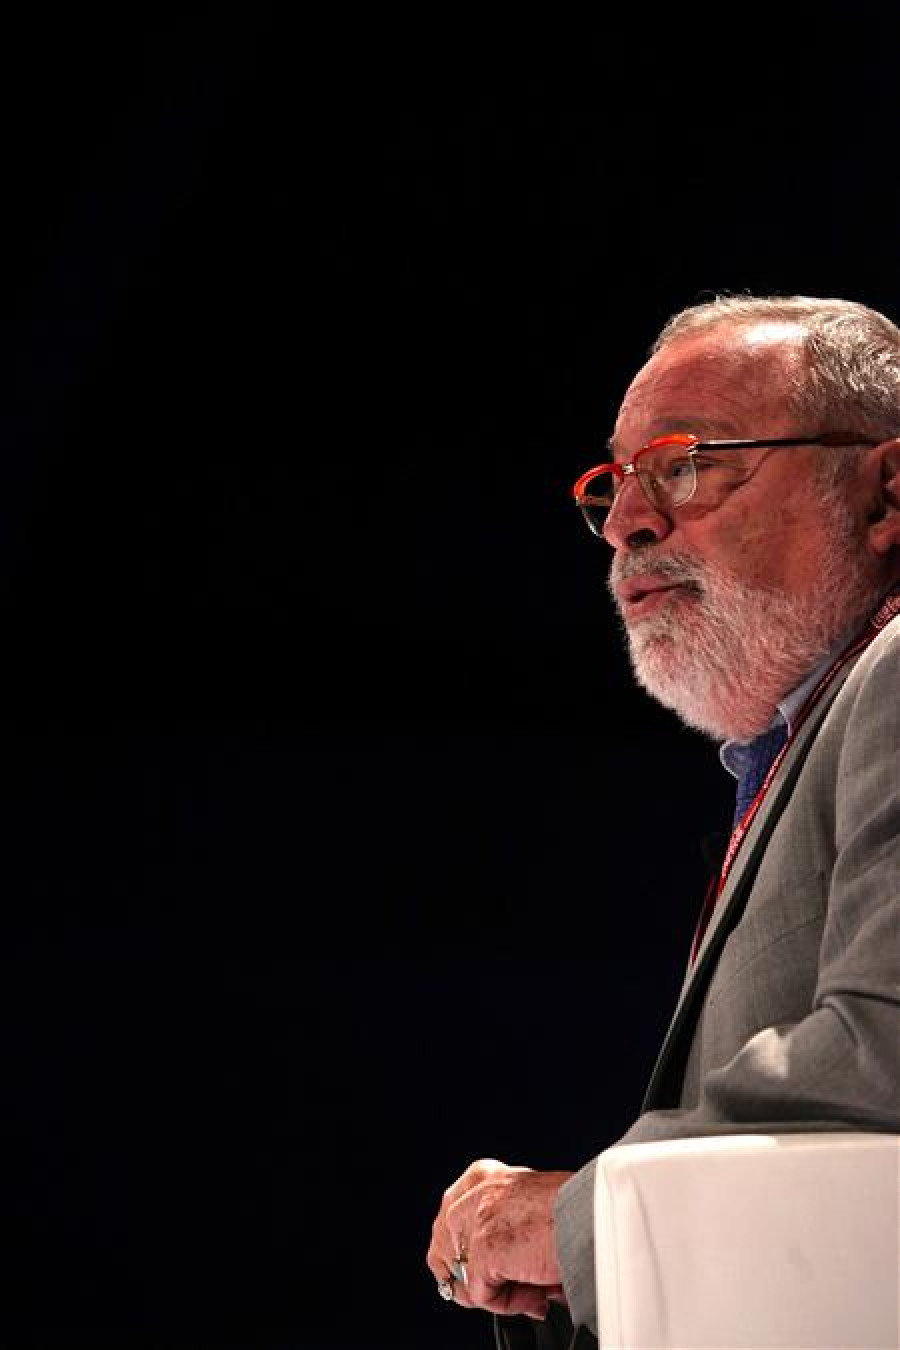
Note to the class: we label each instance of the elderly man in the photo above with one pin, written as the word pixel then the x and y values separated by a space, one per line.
pixel 752 502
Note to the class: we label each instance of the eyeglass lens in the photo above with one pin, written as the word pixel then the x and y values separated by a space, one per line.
pixel 666 473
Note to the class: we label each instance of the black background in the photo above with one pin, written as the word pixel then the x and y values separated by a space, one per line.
pixel 338 847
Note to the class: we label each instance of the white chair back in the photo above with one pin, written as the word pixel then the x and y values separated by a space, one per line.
pixel 743 1241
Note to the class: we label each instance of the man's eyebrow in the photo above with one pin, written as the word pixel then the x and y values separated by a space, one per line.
pixel 707 428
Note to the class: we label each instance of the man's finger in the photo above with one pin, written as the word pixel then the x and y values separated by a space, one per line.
pixel 511 1299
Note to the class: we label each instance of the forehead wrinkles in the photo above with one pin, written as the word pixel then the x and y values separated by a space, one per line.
pixel 720 392
pixel 667 406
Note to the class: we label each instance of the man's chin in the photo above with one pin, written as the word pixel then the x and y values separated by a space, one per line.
pixel 653 638
pixel 683 696
pixel 687 687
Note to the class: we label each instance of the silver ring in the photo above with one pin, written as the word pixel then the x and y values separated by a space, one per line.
pixel 459 1272
pixel 445 1288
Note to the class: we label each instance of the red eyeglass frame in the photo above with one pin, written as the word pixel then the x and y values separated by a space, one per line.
pixel 694 444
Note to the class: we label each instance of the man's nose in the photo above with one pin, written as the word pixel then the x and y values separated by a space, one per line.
pixel 633 521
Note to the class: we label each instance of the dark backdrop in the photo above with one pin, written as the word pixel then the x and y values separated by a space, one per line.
pixel 338 848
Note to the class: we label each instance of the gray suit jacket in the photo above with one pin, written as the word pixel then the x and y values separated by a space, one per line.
pixel 790 1018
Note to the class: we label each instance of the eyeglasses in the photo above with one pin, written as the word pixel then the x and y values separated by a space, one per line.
pixel 679 468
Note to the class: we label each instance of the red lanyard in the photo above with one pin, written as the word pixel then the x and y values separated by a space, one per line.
pixel 887 611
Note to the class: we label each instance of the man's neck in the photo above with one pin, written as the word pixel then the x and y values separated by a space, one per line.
pixel 731 750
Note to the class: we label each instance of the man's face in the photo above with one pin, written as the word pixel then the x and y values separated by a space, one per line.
pixel 728 607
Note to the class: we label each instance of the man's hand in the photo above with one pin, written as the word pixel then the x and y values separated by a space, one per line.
pixel 498 1221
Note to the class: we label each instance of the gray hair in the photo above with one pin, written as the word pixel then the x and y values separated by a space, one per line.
pixel 849 374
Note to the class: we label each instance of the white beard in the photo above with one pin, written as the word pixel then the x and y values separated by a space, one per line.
pixel 720 653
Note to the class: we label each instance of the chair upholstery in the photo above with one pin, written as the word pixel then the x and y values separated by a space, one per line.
pixel 744 1241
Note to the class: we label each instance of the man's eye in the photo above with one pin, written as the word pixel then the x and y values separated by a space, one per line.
pixel 678 469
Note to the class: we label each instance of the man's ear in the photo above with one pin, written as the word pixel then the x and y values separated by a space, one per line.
pixel 884 520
